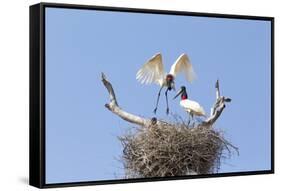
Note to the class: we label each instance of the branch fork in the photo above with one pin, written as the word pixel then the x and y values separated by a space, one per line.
pixel 147 122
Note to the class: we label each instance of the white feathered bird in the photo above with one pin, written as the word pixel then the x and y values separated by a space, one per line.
pixel 192 107
pixel 153 72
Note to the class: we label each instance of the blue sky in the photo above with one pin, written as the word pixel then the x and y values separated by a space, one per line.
pixel 81 134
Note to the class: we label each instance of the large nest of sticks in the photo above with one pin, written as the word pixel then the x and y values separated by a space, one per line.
pixel 173 150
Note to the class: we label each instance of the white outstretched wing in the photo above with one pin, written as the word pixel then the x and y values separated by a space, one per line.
pixel 152 71
pixel 182 64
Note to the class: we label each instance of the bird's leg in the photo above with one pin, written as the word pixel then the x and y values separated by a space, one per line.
pixel 188 119
pixel 157 100
pixel 192 120
pixel 166 95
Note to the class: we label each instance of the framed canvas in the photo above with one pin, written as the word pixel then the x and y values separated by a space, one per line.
pixel 122 95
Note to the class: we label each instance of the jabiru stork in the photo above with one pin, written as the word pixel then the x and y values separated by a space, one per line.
pixel 192 107
pixel 153 72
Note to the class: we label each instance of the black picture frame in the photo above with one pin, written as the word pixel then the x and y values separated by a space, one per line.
pixel 37 94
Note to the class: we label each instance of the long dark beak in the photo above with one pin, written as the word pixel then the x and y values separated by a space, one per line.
pixel 179 92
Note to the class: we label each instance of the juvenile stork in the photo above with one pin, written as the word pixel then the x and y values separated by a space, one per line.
pixel 192 107
pixel 153 72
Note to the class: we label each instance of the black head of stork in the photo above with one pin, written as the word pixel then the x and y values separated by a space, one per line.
pixel 182 92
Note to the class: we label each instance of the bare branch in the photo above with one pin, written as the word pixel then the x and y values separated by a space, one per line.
pixel 146 122
pixel 217 108
pixel 110 90
pixel 218 95
pixel 170 149
pixel 114 108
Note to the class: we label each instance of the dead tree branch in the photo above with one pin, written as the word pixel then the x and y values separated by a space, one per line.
pixel 146 122
pixel 170 148
pixel 114 108
pixel 217 108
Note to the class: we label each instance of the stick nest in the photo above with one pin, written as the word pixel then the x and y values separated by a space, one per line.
pixel 173 150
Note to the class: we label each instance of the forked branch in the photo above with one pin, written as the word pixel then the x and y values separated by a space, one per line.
pixel 217 108
pixel 146 122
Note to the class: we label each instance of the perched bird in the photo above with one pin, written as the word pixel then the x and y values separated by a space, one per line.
pixel 153 72
pixel 192 107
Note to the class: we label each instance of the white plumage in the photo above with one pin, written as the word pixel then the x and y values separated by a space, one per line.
pixel 182 64
pixel 192 107
pixel 153 72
